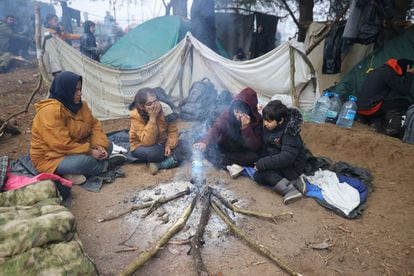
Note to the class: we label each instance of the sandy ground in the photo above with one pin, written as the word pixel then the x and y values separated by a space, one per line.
pixel 380 243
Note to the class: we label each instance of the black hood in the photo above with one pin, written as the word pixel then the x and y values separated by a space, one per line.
pixel 63 89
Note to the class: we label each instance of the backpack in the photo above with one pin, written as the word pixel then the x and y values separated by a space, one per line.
pixel 394 123
pixel 201 100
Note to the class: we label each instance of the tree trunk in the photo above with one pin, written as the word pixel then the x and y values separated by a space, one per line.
pixel 179 7
pixel 305 17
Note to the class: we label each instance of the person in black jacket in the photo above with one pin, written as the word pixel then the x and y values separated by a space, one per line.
pixel 88 42
pixel 283 157
pixel 385 89
pixel 259 45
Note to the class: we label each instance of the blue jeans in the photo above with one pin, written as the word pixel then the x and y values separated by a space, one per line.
pixel 83 164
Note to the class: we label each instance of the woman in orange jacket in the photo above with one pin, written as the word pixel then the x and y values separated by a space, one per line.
pixel 66 138
pixel 153 137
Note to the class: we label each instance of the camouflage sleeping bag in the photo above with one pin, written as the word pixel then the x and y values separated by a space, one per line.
pixel 38 235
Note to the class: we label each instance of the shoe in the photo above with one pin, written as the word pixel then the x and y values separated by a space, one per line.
pixel 300 184
pixel 167 163
pixel 292 195
pixel 281 187
pixel 77 179
pixel 115 160
pixel 235 170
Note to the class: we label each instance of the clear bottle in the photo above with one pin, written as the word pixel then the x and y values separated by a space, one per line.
pixel 197 167
pixel 348 111
pixel 333 112
pixel 321 108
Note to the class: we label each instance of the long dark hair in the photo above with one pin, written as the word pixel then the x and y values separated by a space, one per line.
pixel 139 102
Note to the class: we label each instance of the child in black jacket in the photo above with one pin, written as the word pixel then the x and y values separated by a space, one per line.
pixel 283 157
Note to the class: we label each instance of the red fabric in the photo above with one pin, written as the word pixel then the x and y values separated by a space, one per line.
pixel 372 110
pixel 393 63
pixel 15 182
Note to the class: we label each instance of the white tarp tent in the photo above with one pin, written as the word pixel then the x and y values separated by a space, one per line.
pixel 109 90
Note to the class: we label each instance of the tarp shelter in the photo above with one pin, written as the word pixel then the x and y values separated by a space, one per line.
pixel 283 72
pixel 147 42
pixel 399 47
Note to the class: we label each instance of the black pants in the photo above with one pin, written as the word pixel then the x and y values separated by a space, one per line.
pixel 220 156
pixel 155 153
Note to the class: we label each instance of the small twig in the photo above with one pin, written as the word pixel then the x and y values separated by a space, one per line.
pixel 159 202
pixel 26 108
pixel 148 253
pixel 181 242
pixel 226 203
pixel 259 247
pixel 343 229
pixel 129 237
pixel 127 250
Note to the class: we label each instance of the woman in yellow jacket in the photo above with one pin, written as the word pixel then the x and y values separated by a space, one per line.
pixel 153 137
pixel 66 138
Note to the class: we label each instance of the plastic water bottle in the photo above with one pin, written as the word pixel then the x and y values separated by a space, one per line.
pixel 348 111
pixel 321 108
pixel 197 167
pixel 333 112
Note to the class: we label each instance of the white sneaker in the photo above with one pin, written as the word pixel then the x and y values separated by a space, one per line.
pixel 77 179
pixel 235 170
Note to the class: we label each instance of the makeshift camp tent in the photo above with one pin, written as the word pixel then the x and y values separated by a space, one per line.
pixel 284 71
pixel 399 47
pixel 147 42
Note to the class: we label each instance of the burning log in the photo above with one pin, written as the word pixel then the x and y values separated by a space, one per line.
pixel 258 247
pixel 197 240
pixel 248 212
pixel 147 254
pixel 152 205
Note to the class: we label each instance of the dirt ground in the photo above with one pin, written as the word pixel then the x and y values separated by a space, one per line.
pixel 379 243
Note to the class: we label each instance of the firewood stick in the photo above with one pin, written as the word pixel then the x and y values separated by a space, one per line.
pixel 197 239
pixel 258 247
pixel 226 203
pixel 147 254
pixel 157 202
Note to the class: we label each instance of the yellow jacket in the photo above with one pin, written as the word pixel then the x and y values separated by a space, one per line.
pixel 57 132
pixel 149 134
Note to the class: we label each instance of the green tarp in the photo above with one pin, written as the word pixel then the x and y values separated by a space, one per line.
pixel 399 47
pixel 147 42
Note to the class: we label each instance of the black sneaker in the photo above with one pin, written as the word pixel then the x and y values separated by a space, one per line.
pixel 115 160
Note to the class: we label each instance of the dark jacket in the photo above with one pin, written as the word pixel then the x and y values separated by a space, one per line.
pixel 259 45
pixel 387 82
pixel 223 131
pixel 283 147
pixel 7 35
pixel 88 43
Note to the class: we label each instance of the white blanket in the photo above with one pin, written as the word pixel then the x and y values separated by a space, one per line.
pixel 341 195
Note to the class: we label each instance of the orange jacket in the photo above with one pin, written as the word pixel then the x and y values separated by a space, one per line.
pixel 57 132
pixel 149 134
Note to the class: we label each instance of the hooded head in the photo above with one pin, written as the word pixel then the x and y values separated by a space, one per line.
pixel 87 26
pixel 63 89
pixel 247 99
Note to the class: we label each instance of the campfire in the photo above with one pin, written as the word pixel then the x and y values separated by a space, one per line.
pixel 195 199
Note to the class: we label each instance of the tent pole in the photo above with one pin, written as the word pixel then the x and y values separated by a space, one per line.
pixel 292 77
pixel 39 49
